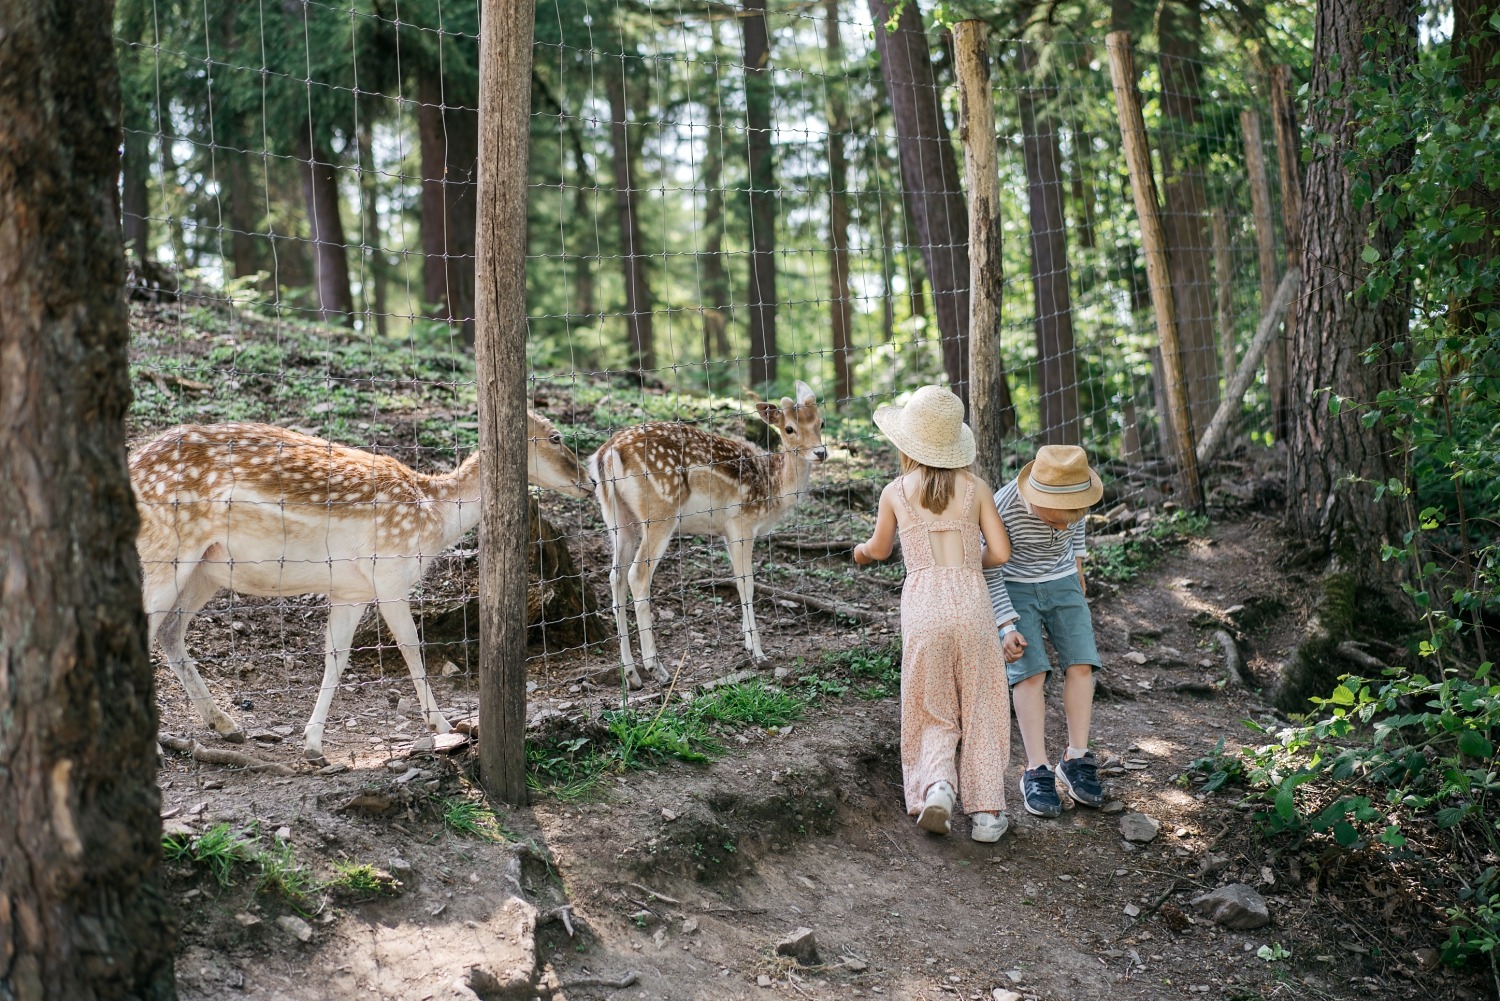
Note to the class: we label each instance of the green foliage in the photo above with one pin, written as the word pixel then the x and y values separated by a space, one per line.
pixel 221 850
pixel 282 876
pixel 473 819
pixel 876 670
pixel 750 704
pixel 360 879
pixel 1383 764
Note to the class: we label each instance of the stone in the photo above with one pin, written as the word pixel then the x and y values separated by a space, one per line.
pixel 397 765
pixel 856 964
pixel 644 918
pixel 1113 806
pixel 295 927
pixel 247 920
pixel 1213 864
pixel 689 925
pixel 400 868
pixel 265 736
pixel 422 745
pixel 451 669
pixel 1001 994
pixel 1135 657
pixel 801 946
pixel 283 833
pixel 1132 911
pixel 1235 906
pixel 407 706
pixel 1139 829
pixel 762 981
pixel 668 815
pixel 333 769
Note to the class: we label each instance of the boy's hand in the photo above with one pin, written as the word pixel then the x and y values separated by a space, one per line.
pixel 1013 645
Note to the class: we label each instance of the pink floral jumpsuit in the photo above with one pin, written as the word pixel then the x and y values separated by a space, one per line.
pixel 953 686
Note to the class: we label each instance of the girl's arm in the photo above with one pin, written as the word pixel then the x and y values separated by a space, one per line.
pixel 996 540
pixel 883 539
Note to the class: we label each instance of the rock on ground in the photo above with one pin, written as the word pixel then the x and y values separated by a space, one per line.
pixel 801 946
pixel 1138 829
pixel 1234 906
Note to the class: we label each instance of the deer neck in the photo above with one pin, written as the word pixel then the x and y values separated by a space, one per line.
pixel 789 475
pixel 457 495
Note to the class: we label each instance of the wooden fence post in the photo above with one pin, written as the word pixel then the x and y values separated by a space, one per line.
pixel 505 38
pixel 1289 157
pixel 976 104
pixel 1265 245
pixel 1154 247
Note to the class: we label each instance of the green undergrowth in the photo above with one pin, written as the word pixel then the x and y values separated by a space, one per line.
pixel 228 855
pixel 1122 562
pixel 471 818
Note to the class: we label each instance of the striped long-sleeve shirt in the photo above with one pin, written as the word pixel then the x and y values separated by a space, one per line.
pixel 1038 552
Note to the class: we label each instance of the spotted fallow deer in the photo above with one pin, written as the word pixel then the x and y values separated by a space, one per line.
pixel 658 479
pixel 267 511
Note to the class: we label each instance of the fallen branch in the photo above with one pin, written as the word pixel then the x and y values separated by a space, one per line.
pixel 1233 676
pixel 830 607
pixel 654 895
pixel 222 756
pixel 1351 650
pixel 829 546
pixel 1104 690
pixel 618 983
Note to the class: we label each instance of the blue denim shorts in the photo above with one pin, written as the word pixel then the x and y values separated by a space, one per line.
pixel 1059 607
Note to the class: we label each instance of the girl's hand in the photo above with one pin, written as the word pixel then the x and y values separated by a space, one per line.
pixel 860 557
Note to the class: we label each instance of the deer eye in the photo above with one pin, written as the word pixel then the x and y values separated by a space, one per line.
pixel 790 429
pixel 555 438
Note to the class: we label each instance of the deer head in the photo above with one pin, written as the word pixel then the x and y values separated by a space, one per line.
pixel 798 422
pixel 552 464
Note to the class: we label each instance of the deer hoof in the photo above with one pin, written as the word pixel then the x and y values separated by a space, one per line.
pixel 632 678
pixel 315 757
pixel 232 733
pixel 439 725
pixel 661 674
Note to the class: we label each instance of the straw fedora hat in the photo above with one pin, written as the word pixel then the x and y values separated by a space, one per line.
pixel 1059 477
pixel 929 429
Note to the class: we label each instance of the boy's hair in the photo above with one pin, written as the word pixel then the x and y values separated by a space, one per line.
pixel 937 484
pixel 1073 516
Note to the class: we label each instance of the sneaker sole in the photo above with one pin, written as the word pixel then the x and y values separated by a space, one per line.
pixel 1034 812
pixel 934 820
pixel 1067 787
pixel 987 836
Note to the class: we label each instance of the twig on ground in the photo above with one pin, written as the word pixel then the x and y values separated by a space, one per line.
pixel 1233 675
pixel 1152 908
pixel 222 756
pixel 835 608
pixel 563 914
pixel 616 983
pixel 1351 650
pixel 1104 690
pixel 829 546
pixel 654 895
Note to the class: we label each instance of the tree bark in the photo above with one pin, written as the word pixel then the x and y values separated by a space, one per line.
pixel 81 910
pixel 1185 204
pixel 1334 329
pixel 135 208
pixel 639 332
pixel 244 193
pixel 716 305
pixel 373 281
pixel 320 192
pixel 449 138
pixel 506 33
pixel 840 304
pixel 1057 364
pixel 1265 250
pixel 929 171
pixel 762 168
pixel 585 295
pixel 1289 167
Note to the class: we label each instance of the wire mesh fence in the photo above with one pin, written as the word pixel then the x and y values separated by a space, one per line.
pixel 724 202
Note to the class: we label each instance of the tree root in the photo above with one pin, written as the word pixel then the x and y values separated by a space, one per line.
pixel 617 983
pixel 1233 674
pixel 222 756
pixel 834 608
pixel 1353 651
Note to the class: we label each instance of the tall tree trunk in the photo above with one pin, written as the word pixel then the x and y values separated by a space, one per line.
pixel 840 303
pixel 1057 365
pixel 887 271
pixel 929 172
pixel 320 191
pixel 762 167
pixel 373 281
pixel 1478 45
pixel 716 303
pixel 1334 329
pixel 244 221
pixel 585 295
pixel 449 139
pixel 633 256
pixel 135 208
pixel 82 916
pixel 171 195
pixel 1185 209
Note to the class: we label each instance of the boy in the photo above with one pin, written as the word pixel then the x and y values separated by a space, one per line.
pixel 1042 588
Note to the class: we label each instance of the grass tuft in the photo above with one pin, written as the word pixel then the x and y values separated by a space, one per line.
pixel 474 820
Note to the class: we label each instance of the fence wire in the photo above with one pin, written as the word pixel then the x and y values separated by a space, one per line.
pixel 723 202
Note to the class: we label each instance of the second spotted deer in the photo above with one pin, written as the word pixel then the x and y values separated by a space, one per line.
pixel 658 479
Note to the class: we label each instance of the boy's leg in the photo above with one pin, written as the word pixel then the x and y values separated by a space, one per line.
pixel 1078 704
pixel 1030 704
pixel 1027 677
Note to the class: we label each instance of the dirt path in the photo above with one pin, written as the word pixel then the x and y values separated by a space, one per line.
pixel 687 876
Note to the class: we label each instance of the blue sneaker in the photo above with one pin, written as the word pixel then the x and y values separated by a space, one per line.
pixel 1079 778
pixel 1039 792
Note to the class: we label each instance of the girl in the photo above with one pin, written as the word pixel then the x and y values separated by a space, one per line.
pixel 953 684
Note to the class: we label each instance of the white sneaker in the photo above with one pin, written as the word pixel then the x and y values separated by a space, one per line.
pixel 937 809
pixel 988 827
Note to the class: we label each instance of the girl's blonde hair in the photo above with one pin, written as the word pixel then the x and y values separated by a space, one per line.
pixel 938 484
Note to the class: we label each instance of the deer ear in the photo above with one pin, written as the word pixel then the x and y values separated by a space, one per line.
pixel 804 394
pixel 769 413
pixel 786 404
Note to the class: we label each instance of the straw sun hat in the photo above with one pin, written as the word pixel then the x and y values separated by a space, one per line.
pixel 929 429
pixel 1060 478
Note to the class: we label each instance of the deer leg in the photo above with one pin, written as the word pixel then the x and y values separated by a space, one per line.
pixel 397 615
pixel 171 600
pixel 342 618
pixel 655 537
pixel 624 539
pixel 739 558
